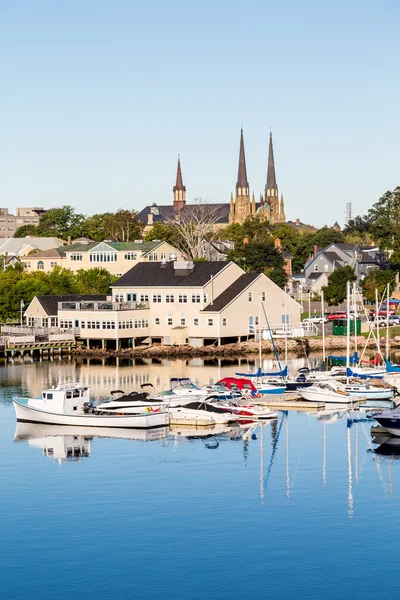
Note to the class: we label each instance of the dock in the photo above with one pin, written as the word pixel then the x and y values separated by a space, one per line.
pixel 290 403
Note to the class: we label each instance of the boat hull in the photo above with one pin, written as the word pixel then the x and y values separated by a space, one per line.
pixel 275 390
pixel 328 398
pixel 390 422
pixel 189 416
pixel 28 414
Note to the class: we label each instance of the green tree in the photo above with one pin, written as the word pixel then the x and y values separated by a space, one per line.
pixel 378 280
pixel 385 224
pixel 96 227
pixel 252 228
pixel 261 257
pixel 124 226
pixel 326 236
pixel 336 290
pixel 61 222
pixel 162 231
pixel 25 230
pixel 94 281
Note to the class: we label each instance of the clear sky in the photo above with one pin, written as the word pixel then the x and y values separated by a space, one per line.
pixel 97 98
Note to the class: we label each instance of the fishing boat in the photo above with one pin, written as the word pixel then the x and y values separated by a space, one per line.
pixel 70 405
pixel 327 392
pixel 390 421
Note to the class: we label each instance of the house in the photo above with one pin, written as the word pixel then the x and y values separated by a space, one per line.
pixel 316 281
pixel 362 259
pixel 217 249
pixel 23 246
pixel 173 303
pixel 116 257
pixel 43 311
pixel 287 258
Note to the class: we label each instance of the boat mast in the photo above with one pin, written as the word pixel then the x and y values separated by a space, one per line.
pixel 286 328
pixel 355 317
pixel 259 331
pixel 323 325
pixel 387 320
pixel 348 332
pixel 378 337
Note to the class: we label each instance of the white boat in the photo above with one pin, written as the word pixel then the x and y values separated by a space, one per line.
pixel 130 404
pixel 200 413
pixel 369 390
pixel 70 405
pixel 245 408
pixel 33 431
pixel 327 392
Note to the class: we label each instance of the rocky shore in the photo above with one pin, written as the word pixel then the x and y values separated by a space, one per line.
pixel 299 347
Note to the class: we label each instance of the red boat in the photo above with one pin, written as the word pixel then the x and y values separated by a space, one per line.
pixel 238 383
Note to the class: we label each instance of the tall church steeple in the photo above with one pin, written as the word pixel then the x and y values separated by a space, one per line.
pixel 271 187
pixel 179 189
pixel 242 206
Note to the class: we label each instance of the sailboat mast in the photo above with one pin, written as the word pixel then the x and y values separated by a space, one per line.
pixel 355 312
pixel 323 325
pixel 348 331
pixel 387 320
pixel 259 330
pixel 378 337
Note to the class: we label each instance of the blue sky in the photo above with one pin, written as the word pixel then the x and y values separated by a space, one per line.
pixel 98 98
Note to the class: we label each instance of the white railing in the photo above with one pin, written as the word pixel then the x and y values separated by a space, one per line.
pixel 291 330
pixel 103 305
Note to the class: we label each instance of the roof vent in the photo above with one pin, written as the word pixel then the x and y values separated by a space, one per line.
pixel 138 241
pixel 163 263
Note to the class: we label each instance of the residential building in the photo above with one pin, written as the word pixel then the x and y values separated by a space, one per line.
pixel 43 311
pixel 363 259
pixel 116 257
pixel 9 223
pixel 23 246
pixel 174 303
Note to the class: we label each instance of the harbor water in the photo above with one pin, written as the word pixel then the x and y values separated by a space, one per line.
pixel 305 506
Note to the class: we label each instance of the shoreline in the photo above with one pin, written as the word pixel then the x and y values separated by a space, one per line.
pixel 298 346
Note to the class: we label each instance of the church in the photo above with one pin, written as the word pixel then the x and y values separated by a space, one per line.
pixel 270 207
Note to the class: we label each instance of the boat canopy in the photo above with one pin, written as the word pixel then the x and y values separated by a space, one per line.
pixel 260 373
pixel 350 373
pixel 353 359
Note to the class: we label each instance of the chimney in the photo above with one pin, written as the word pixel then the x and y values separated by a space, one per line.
pixel 69 240
pixel 150 219
pixel 297 221
pixel 278 244
pixel 315 250
pixel 245 240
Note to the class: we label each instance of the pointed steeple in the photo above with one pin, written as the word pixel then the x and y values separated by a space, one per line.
pixel 179 189
pixel 253 205
pixel 282 216
pixel 242 172
pixel 271 178
pixel 179 180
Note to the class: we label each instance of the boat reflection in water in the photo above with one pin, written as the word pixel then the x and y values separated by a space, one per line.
pixel 65 444
pixel 390 447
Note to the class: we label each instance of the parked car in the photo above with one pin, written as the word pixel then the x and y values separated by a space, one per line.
pixel 316 319
pixel 380 322
pixel 381 313
pixel 337 315
pixel 394 320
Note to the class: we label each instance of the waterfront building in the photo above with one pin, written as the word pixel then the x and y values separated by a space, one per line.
pixel 172 303
pixel 116 257
pixel 9 223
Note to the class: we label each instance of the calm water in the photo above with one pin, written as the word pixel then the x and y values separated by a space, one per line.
pixel 298 508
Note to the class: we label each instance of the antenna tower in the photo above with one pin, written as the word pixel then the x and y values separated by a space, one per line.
pixel 349 215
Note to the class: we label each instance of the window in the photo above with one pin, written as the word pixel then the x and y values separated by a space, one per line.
pixel 205 298
pixel 169 321
pixel 52 265
pixel 130 256
pixel 141 323
pixel 144 297
pixel 210 322
pixel 182 298
pixel 250 296
pixel 173 256
pixel 108 324
pixel 157 321
pixel 75 256
pixel 103 256
pixel 153 257
pixel 195 322
pixel 126 324
pixel 40 265
pixel 326 268
pixel 223 322
pixel 156 297
pixel 131 297
pixel 169 298
pixel 196 298
pixel 316 268
pixel 118 298
pixel 256 320
pixel 163 256
pixel 263 296
pixel 83 325
pixel 183 321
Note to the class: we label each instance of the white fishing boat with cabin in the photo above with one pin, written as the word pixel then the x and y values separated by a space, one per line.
pixel 70 405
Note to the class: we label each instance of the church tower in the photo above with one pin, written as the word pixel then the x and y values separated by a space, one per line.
pixel 271 187
pixel 242 206
pixel 179 189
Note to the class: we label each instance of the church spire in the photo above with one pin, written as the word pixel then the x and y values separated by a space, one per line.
pixel 179 189
pixel 271 178
pixel 242 172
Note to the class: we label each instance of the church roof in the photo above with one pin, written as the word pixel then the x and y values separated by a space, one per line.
pixel 179 180
pixel 271 177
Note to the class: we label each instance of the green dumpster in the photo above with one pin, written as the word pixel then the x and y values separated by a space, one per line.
pixel 340 326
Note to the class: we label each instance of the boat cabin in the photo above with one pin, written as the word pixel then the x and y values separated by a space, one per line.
pixel 62 399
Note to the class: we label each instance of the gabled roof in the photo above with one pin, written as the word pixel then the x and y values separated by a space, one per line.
pixel 50 303
pixel 231 292
pixel 15 245
pixel 165 213
pixel 333 257
pixel 314 276
pixel 157 274
pixel 51 253
pixel 141 246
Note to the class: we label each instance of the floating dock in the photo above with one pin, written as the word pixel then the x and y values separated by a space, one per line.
pixel 290 403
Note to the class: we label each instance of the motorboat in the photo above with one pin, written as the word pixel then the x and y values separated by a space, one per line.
pixel 183 390
pixel 245 408
pixel 369 390
pixel 201 413
pixel 327 392
pixel 390 421
pixel 70 405
pixel 267 383
pixel 130 404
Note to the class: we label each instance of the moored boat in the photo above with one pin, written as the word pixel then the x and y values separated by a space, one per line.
pixel 70 405
pixel 327 392
pixel 390 421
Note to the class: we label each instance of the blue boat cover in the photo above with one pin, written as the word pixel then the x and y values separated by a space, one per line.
pixel 353 358
pixel 392 368
pixel 349 373
pixel 260 373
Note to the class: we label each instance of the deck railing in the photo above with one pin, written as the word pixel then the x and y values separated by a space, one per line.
pixel 104 305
